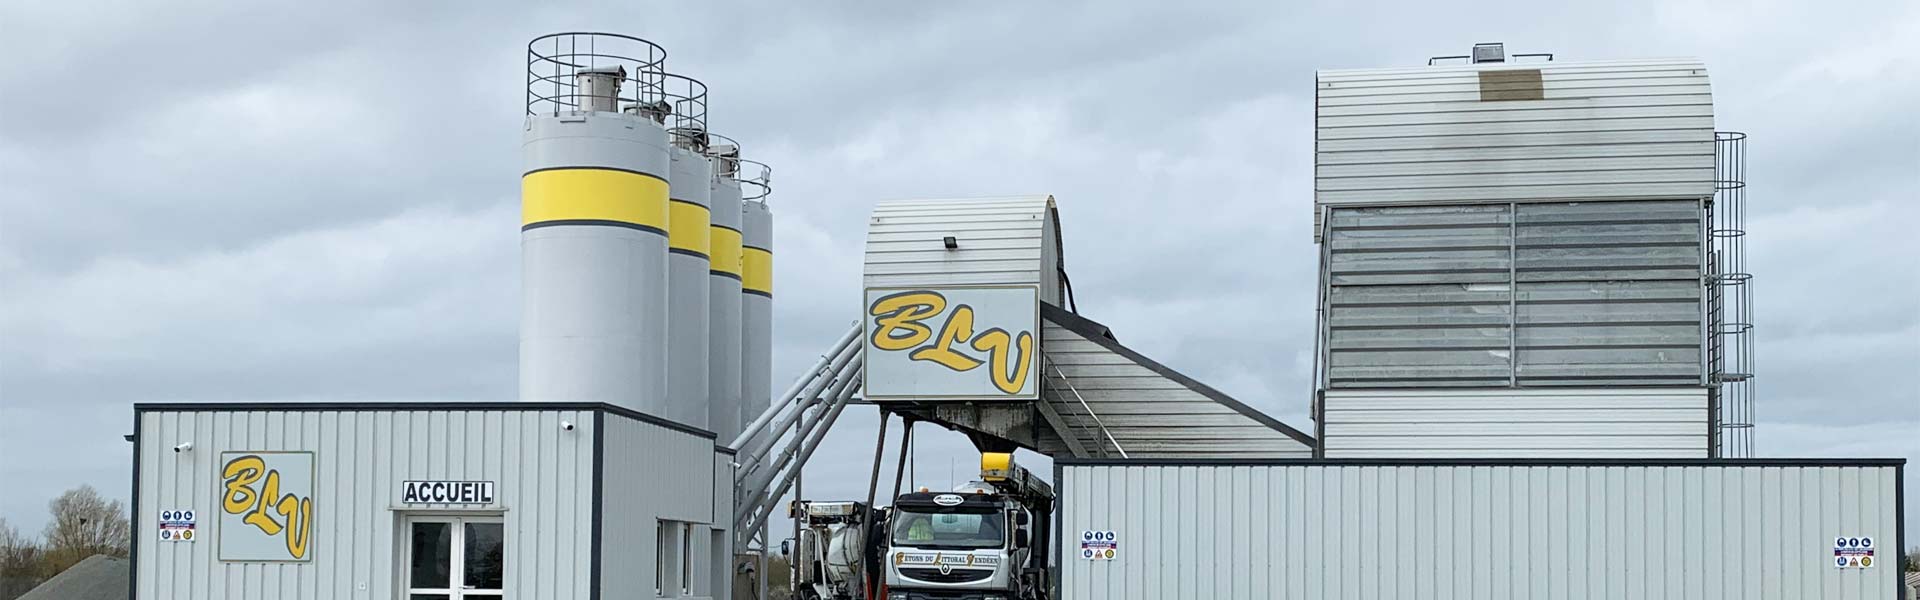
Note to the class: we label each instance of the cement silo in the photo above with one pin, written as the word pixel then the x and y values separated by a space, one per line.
pixel 688 237
pixel 724 413
pixel 594 222
pixel 756 310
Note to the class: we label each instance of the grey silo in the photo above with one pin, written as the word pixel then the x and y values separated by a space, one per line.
pixel 687 260
pixel 724 413
pixel 756 310
pixel 594 243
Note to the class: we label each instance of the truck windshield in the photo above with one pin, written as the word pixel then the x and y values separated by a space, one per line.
pixel 949 530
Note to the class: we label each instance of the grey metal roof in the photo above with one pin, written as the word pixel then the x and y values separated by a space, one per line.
pixel 1008 240
pixel 1150 410
pixel 1636 129
pixel 99 577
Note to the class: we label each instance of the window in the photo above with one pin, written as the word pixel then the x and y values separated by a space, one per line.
pixel 954 530
pixel 686 559
pixel 450 558
pixel 673 572
pixel 662 556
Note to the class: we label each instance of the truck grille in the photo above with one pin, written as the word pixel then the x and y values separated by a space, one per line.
pixel 934 576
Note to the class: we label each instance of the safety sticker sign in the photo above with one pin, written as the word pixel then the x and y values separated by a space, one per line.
pixel 1099 545
pixel 177 525
pixel 1850 552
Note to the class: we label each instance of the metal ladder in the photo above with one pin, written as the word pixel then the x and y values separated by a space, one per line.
pixel 1729 296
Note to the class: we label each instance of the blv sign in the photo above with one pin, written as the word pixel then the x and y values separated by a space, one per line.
pixel 954 343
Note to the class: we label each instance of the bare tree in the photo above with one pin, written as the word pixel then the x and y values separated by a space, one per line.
pixel 19 562
pixel 84 524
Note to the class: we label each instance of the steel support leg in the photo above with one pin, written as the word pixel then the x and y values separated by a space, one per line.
pixel 873 486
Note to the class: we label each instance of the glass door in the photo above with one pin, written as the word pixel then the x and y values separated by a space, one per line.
pixel 450 558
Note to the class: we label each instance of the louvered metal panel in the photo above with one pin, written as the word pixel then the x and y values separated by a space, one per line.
pixel 1608 293
pixel 1515 423
pixel 1000 241
pixel 1585 131
pixel 1584 529
pixel 1101 388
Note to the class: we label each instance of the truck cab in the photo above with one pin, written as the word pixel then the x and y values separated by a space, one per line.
pixel 984 540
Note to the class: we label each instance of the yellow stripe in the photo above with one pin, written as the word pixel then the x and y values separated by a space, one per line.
pixel 593 195
pixel 757 276
pixel 726 251
pixel 687 227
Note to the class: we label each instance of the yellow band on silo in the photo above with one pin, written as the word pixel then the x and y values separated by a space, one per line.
pixel 589 196
pixel 757 275
pixel 726 252
pixel 687 228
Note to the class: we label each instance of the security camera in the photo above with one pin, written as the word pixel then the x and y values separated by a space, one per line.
pixel 183 447
pixel 566 425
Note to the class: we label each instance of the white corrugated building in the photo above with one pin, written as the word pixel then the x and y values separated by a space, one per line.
pixel 1467 529
pixel 1522 343
pixel 331 501
pixel 1514 259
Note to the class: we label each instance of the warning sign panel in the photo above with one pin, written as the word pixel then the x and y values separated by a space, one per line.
pixel 1099 545
pixel 177 525
pixel 1851 552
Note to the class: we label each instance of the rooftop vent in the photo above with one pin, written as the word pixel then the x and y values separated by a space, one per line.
pixel 1487 53
pixel 1491 52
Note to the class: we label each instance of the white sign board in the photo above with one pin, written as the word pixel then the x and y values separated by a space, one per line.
pixel 266 506
pixel 446 492
pixel 1853 552
pixel 1099 545
pixel 966 343
pixel 177 525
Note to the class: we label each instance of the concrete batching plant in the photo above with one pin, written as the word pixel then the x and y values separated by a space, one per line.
pixel 1533 378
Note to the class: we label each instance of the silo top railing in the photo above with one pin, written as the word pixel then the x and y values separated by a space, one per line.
pixel 756 178
pixel 725 153
pixel 556 63
pixel 686 104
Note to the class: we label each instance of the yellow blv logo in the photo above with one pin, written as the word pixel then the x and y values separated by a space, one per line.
pixel 985 333
pixel 267 503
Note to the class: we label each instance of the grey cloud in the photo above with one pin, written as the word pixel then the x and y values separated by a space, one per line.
pixel 315 201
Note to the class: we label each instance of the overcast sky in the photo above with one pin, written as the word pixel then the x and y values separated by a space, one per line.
pixel 261 201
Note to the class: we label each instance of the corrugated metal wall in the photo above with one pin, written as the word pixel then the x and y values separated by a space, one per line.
pixel 1738 532
pixel 1589 130
pixel 1536 423
pixel 653 473
pixel 1002 241
pixel 1150 414
pixel 1609 294
pixel 719 547
pixel 544 480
